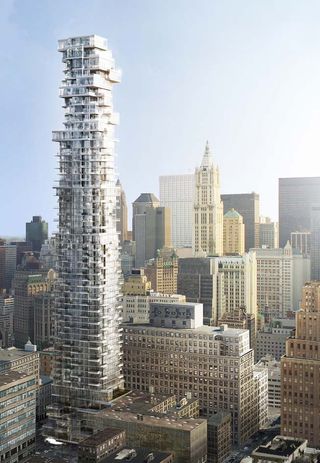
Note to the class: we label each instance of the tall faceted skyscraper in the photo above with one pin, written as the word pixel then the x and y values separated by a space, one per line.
pixel 207 209
pixel 88 363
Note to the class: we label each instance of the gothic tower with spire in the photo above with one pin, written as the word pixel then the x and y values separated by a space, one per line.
pixel 208 209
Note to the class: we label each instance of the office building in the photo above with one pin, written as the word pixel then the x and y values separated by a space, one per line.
pixel 140 206
pixel 301 241
pixel 281 274
pixel 239 282
pixel 165 423
pixel 100 445
pixel 87 365
pixel 27 285
pixel 152 232
pixel 260 377
pixel 128 257
pixel 138 454
pixel 240 319
pixel 283 449
pixel 315 242
pixel 219 437
pixel 23 360
pixel 137 297
pixel 248 206
pixel 44 397
pixel 48 254
pixel 162 272
pixel 136 308
pixel 47 359
pixel 8 264
pixel 301 273
pixel 207 238
pixel 22 248
pixel 17 416
pixel 186 315
pixel 30 261
pixel 296 196
pixel 177 194
pixel 44 320
pixel 274 280
pixel 274 380
pixel 300 371
pixel 214 364
pixel 271 339
pixel 36 232
pixel 6 321
pixel 136 284
pixel 268 233
pixel 121 213
pixel 199 280
pixel 233 233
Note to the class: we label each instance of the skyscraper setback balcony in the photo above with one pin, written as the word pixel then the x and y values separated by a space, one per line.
pixel 88 345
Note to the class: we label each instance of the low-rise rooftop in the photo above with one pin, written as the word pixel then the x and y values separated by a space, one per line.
pixel 156 410
pixel 100 437
pixel 10 376
pixel 205 329
pixel 138 455
pixel 12 353
pixel 280 446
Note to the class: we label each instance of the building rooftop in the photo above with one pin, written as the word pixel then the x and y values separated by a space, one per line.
pixel 232 214
pixel 44 379
pixel 280 446
pixel 137 455
pixel 10 376
pixel 100 437
pixel 147 198
pixel 12 353
pixel 207 160
pixel 141 406
pixel 205 329
pixel 46 459
pixel 219 418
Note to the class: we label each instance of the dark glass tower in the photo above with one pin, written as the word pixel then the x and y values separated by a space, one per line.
pixel 36 232
pixel 296 197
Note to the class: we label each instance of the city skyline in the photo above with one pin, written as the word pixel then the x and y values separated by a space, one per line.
pixel 266 113
pixel 195 336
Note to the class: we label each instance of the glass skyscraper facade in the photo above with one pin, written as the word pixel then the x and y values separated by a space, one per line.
pixel 296 197
pixel 88 346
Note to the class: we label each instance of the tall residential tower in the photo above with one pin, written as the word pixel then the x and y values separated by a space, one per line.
pixel 88 366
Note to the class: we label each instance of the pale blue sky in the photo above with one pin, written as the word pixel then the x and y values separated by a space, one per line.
pixel 244 74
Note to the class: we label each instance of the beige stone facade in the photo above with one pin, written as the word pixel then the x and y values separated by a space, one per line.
pixel 300 372
pixel 136 284
pixel 233 233
pixel 27 284
pixel 163 423
pixel 207 210
pixel 213 365
pixel 162 272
